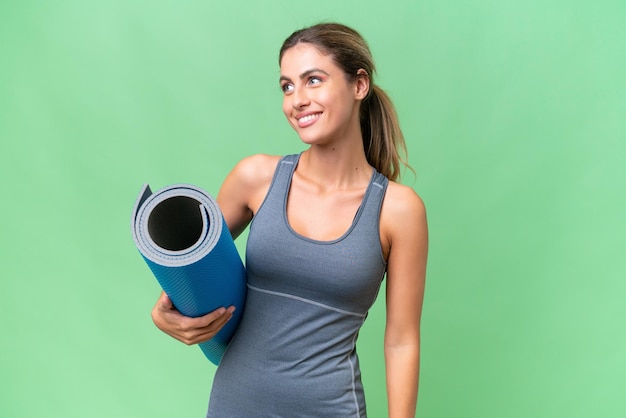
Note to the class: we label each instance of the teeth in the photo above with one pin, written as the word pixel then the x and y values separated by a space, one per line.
pixel 308 118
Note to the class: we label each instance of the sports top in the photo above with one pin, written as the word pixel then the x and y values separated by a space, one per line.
pixel 294 352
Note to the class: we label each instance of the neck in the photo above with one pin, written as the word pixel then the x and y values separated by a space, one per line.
pixel 336 166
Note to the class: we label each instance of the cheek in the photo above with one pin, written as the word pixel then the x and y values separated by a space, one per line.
pixel 287 111
pixel 286 107
pixel 337 99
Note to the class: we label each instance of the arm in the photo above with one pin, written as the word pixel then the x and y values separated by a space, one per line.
pixel 239 198
pixel 244 189
pixel 403 220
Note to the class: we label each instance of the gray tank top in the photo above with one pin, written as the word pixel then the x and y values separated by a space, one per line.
pixel 294 352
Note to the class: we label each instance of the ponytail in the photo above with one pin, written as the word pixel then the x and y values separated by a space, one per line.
pixel 383 140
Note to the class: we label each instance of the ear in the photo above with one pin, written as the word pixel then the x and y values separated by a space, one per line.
pixel 362 84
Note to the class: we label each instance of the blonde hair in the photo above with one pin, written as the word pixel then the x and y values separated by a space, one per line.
pixel 383 140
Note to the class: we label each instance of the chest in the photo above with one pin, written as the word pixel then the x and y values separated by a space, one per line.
pixel 322 216
pixel 345 273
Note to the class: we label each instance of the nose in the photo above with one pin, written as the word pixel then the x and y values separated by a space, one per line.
pixel 300 98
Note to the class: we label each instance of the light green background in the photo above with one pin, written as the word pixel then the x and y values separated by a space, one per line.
pixel 514 112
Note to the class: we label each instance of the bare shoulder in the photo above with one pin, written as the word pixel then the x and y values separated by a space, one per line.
pixel 247 184
pixel 402 201
pixel 256 169
pixel 244 189
pixel 403 216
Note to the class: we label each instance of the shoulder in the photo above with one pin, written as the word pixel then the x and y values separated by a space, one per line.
pixel 403 213
pixel 401 201
pixel 248 182
pixel 255 168
pixel 244 188
pixel 252 173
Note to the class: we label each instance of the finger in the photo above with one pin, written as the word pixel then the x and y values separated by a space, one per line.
pixel 221 321
pixel 192 324
pixel 165 302
pixel 220 314
pixel 208 331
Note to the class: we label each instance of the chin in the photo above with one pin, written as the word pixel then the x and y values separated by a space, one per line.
pixel 307 139
pixel 312 139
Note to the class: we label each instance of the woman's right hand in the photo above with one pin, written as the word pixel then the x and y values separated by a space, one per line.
pixel 185 329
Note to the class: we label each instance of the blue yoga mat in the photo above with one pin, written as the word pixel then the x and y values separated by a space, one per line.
pixel 181 234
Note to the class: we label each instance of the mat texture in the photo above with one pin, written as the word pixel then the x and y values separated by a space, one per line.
pixel 181 234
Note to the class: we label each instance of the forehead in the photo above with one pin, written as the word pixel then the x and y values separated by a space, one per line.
pixel 303 57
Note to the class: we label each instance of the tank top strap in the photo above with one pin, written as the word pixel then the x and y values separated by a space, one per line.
pixel 284 172
pixel 279 187
pixel 372 201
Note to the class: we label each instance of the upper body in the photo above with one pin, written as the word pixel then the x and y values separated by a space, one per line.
pixel 324 105
pixel 294 353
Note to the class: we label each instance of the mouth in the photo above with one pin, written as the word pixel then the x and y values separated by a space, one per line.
pixel 307 119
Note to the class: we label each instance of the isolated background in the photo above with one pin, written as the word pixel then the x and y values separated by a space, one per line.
pixel 514 113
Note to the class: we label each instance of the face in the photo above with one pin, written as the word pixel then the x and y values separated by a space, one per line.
pixel 318 101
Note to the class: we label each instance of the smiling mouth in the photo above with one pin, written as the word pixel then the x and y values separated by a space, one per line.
pixel 308 118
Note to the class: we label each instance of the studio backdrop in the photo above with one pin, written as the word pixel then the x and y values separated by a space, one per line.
pixel 513 112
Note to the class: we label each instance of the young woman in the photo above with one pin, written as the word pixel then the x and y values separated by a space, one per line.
pixel 325 226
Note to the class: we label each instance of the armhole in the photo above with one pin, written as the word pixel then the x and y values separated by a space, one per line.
pixel 269 190
pixel 384 184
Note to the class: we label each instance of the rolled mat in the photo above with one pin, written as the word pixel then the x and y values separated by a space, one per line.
pixel 181 234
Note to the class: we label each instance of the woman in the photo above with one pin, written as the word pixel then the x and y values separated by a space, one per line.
pixel 325 227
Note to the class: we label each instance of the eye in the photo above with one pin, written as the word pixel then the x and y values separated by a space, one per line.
pixel 286 88
pixel 314 80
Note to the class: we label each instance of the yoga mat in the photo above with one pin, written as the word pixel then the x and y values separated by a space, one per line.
pixel 181 234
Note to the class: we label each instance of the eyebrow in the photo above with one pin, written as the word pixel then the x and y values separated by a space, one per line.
pixel 305 74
